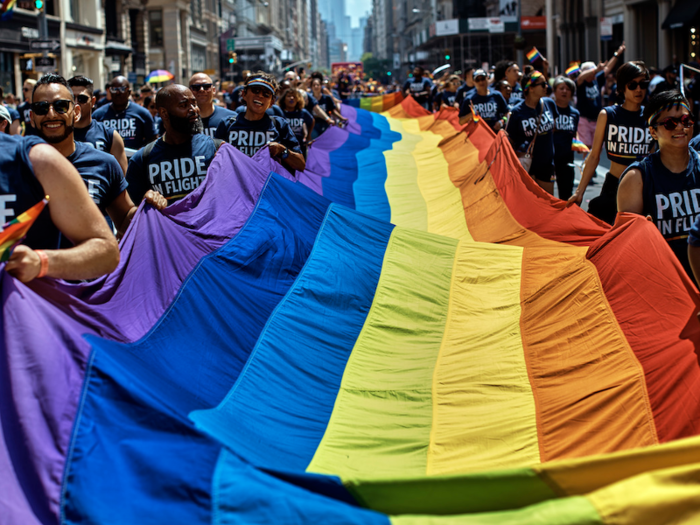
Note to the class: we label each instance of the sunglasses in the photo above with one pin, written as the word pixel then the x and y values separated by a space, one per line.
pixel 537 84
pixel 59 106
pixel 480 79
pixel 265 93
pixel 26 89
pixel 644 84
pixel 671 123
pixel 120 89
pixel 197 87
pixel 82 99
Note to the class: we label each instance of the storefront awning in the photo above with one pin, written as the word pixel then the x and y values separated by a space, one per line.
pixel 682 13
pixel 117 48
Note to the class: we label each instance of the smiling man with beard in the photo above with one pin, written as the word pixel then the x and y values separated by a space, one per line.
pixel 176 163
pixel 54 115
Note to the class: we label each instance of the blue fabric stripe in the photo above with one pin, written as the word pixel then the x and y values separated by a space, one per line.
pixel 135 456
pixel 369 189
pixel 277 412
pixel 245 495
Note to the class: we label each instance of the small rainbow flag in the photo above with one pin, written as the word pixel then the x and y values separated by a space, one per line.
pixel 578 146
pixel 14 231
pixel 533 55
pixel 7 9
pixel 572 69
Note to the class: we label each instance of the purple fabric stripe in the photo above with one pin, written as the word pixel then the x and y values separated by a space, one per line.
pixel 43 356
pixel 318 163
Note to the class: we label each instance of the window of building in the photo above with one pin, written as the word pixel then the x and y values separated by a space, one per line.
pixel 155 19
pixel 75 11
pixel 111 23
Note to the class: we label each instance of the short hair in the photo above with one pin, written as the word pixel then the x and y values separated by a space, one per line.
pixel 146 88
pixel 586 66
pixel 663 101
pixel 627 72
pixel 499 72
pixel 420 68
pixel 299 104
pixel 30 81
pixel 52 78
pixel 81 81
pixel 266 77
pixel 163 95
pixel 317 75
pixel 147 101
pixel 564 80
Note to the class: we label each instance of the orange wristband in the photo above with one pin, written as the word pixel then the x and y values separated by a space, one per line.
pixel 44 269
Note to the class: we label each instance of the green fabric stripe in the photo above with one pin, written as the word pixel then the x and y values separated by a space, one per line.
pixel 383 414
pixel 366 103
pixel 481 492
pixel 576 510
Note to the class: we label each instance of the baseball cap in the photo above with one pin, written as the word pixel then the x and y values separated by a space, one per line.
pixel 480 73
pixel 262 83
pixel 5 114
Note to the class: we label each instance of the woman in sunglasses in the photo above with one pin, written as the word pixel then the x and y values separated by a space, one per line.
pixel 625 135
pixel 665 186
pixel 253 129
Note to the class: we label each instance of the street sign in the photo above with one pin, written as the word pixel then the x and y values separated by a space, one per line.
pixel 230 44
pixel 49 45
pixel 45 64
pixel 30 32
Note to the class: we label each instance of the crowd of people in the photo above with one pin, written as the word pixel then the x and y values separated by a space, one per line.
pixel 644 125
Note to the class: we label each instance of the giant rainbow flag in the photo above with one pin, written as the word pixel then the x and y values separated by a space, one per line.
pixel 408 332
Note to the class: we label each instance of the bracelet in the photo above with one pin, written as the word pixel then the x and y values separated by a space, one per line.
pixel 615 54
pixel 44 268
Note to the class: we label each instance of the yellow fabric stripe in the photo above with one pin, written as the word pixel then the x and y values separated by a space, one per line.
pixel 484 414
pixel 382 416
pixel 408 207
pixel 443 199
pixel 662 496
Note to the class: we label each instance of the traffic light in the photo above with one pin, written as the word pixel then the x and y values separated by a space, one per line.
pixel 388 73
pixel 39 5
pixel 447 54
pixel 232 57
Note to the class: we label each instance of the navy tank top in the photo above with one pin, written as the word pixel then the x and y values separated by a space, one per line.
pixel 20 190
pixel 627 138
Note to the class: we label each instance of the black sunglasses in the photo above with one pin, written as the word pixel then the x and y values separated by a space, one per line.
pixel 82 99
pixel 59 106
pixel 644 84
pixel 120 89
pixel 671 123
pixel 265 93
pixel 197 87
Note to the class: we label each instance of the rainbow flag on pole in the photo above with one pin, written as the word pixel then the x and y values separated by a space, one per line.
pixel 572 69
pixel 533 55
pixel 14 231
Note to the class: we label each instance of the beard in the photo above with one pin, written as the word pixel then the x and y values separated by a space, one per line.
pixel 186 126
pixel 55 139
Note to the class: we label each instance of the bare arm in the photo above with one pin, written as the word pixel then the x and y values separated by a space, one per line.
pixel 318 112
pixel 589 74
pixel 122 209
pixel 294 160
pixel 592 160
pixel 610 64
pixel 629 194
pixel 15 128
pixel 117 151
pixel 694 260
pixel 72 211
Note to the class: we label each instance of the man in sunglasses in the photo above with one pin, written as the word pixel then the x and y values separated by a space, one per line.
pixel 253 129
pixel 176 163
pixel 25 108
pixel 54 115
pixel 133 122
pixel 212 115
pixel 88 129
pixel 665 185
pixel 489 105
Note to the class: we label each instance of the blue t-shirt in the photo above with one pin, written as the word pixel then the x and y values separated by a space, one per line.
pixel 296 121
pixel 250 136
pixel 446 97
pixel 417 85
pixel 462 92
pixel 589 101
pixel 134 123
pixel 564 134
pixel 20 190
pixel 311 102
pixel 491 107
pixel 273 111
pixel 327 104
pixel 627 138
pixel 171 170
pixel 14 114
pixel 24 111
pixel 695 143
pixel 516 95
pixel 212 121
pixel 672 200
pixel 101 173
pixel 521 131
pixel 97 134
